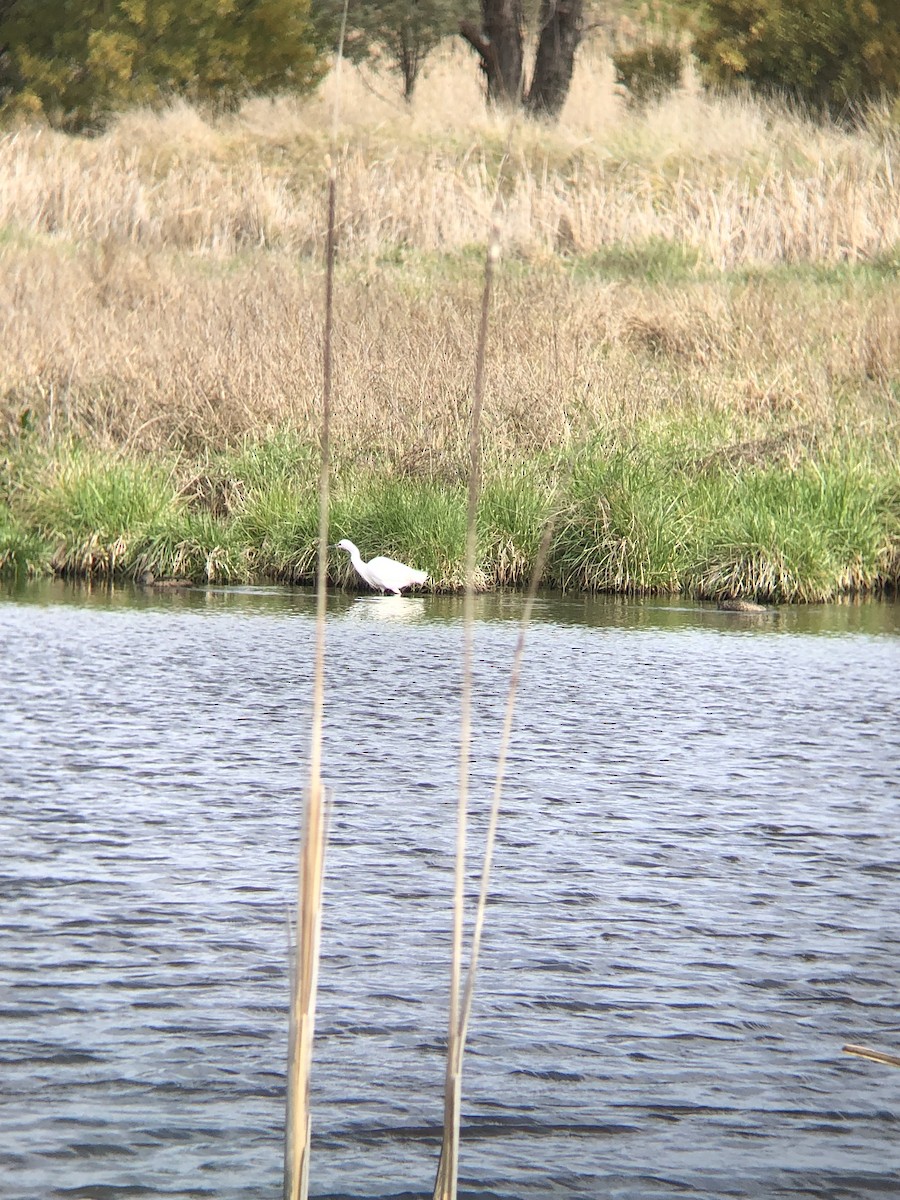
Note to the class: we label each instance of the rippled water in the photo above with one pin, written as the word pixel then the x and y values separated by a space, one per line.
pixel 696 901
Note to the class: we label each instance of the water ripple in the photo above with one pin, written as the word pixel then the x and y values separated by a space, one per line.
pixel 695 901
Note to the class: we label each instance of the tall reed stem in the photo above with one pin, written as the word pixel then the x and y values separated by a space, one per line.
pixel 446 1181
pixel 305 972
pixel 500 775
pixel 879 1056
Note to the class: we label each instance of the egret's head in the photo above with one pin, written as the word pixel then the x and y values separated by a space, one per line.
pixel 346 544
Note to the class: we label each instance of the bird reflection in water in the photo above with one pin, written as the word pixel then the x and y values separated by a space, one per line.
pixel 387 608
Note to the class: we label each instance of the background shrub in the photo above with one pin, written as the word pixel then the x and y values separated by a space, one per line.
pixel 649 72
pixel 75 63
pixel 834 55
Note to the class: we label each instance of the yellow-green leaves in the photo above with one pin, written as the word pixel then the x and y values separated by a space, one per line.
pixel 835 56
pixel 78 62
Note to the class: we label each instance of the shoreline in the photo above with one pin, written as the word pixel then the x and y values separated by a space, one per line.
pixel 633 520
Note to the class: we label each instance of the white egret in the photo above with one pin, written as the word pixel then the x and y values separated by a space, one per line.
pixel 383 574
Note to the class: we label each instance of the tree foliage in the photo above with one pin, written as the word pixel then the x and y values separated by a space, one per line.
pixel 77 62
pixel 649 71
pixel 833 54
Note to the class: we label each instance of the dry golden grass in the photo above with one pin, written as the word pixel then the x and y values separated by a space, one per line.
pixel 146 349
pixel 161 284
pixel 740 181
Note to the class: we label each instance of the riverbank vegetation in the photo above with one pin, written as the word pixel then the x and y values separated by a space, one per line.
pixel 694 354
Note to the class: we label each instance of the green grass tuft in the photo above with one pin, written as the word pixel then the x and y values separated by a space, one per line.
pixel 23 552
pixel 624 530
pixel 655 260
pixel 828 528
pixel 513 512
pixel 673 507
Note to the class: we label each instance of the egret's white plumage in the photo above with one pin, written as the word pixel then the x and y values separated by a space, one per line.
pixel 383 574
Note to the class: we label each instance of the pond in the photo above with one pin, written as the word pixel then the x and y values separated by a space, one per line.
pixel 695 904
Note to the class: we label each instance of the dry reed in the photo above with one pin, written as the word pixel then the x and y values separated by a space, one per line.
pixel 155 353
pixel 741 181
pixel 468 993
pixel 462 993
pixel 151 294
pixel 298 1124
pixel 879 1056
pixel 311 874
pixel 446 1180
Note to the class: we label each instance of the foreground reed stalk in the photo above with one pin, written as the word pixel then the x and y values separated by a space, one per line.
pixel 312 850
pixel 305 976
pixel 446 1181
pixel 499 778
pixel 879 1056
pixel 447 1175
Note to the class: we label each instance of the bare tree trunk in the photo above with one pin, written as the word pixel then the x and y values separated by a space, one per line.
pixel 499 42
pixel 409 58
pixel 554 60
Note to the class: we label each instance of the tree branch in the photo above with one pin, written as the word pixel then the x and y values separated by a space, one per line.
pixel 476 39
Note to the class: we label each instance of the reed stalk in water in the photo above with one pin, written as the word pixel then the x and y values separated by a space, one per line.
pixel 312 849
pixel 448 1170
pixel 445 1183
pixel 305 973
pixel 500 775
pixel 879 1056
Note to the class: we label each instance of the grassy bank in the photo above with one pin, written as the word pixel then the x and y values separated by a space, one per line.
pixel 696 328
pixel 670 510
